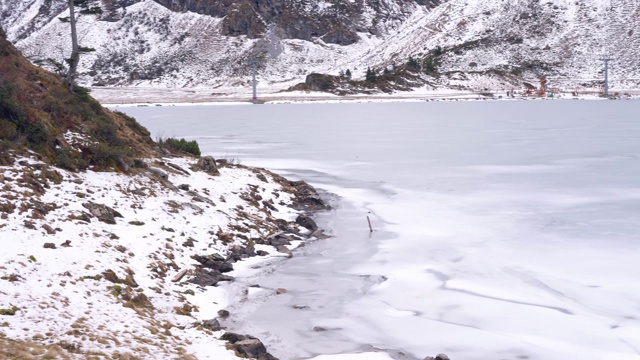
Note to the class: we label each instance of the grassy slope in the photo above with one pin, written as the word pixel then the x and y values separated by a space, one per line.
pixel 37 109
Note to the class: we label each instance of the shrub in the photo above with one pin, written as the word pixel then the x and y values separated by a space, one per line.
pixel 82 93
pixel 10 311
pixel 36 133
pixel 180 145
pixel 104 156
pixel 8 130
pixel 106 131
pixel 9 110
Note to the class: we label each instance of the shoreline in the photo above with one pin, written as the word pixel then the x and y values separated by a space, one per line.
pixel 127 97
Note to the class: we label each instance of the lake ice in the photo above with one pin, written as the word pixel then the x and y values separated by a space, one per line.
pixel 503 230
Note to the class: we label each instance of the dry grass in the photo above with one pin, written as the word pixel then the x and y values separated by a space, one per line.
pixel 29 350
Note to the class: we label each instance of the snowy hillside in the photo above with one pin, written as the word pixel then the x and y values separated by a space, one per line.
pixel 470 44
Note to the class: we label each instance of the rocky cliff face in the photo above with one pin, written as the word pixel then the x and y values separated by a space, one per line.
pixel 466 44
pixel 335 22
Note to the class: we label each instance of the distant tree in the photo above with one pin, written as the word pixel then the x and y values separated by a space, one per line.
pixel 413 63
pixel 347 74
pixel 86 7
pixel 341 74
pixel 370 75
pixel 430 65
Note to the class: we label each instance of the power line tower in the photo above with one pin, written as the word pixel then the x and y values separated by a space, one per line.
pixel 606 60
pixel 254 70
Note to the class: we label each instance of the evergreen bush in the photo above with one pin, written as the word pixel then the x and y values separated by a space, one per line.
pixel 180 145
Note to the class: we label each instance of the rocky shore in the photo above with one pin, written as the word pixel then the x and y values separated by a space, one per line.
pixel 125 266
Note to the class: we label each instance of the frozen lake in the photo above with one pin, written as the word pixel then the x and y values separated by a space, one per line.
pixel 503 230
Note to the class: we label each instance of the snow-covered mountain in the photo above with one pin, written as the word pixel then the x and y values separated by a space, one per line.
pixel 461 43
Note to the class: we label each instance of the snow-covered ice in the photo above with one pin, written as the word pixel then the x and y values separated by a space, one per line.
pixel 502 229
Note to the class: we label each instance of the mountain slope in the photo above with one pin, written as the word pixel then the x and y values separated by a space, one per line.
pixel 465 43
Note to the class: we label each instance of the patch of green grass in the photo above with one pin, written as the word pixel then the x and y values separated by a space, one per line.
pixel 180 145
pixel 10 311
pixel 116 290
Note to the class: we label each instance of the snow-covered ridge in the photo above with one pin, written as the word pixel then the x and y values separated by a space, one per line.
pixel 489 44
pixel 102 263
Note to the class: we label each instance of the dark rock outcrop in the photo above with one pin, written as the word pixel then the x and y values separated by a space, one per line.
pixel 102 212
pixel 283 249
pixel 321 82
pixel 243 19
pixel 438 357
pixel 212 324
pixel 214 262
pixel 237 253
pixel 336 24
pixel 48 229
pixel 251 347
pixel 210 278
pixel 208 165
pixel 306 222
pixel 234 338
pixel 306 197
pixel 248 346
pixel 341 35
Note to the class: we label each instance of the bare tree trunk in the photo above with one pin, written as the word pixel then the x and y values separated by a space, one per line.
pixel 75 50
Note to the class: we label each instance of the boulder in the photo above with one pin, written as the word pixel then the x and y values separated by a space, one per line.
pixel 48 229
pixel 208 165
pixel 212 324
pixel 283 249
pixel 158 173
pixel 267 356
pixel 111 276
pixel 252 348
pixel 102 212
pixel 279 240
pixel 237 253
pixel 306 197
pixel 438 357
pixel 233 337
pixel 210 278
pixel 306 222
pixel 214 262
pixel 248 346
